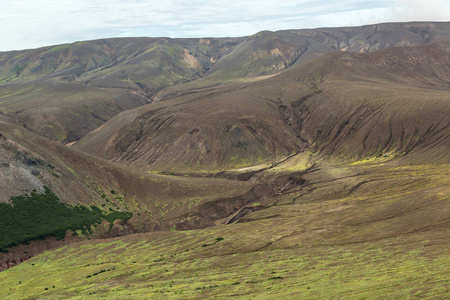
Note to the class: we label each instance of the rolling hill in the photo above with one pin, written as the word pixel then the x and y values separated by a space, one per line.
pixel 65 91
pixel 391 102
pixel 300 163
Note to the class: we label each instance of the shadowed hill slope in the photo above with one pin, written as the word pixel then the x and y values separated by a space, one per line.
pixel 200 131
pixel 30 162
pixel 63 92
pixel 345 105
pixel 394 100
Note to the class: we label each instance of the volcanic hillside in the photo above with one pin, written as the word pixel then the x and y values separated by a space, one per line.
pixel 392 102
pixel 300 163
pixel 65 91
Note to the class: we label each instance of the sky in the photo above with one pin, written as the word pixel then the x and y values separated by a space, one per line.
pixel 26 24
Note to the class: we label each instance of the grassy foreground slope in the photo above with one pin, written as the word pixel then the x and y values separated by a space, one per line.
pixel 374 230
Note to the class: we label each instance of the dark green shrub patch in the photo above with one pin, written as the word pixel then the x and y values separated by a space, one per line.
pixel 37 216
pixel 159 259
pixel 99 272
pixel 117 215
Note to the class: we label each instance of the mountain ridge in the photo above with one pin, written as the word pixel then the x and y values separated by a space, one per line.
pixel 268 119
pixel 108 76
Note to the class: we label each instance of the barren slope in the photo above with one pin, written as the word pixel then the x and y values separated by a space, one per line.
pixel 351 106
pixel 270 52
pixel 65 91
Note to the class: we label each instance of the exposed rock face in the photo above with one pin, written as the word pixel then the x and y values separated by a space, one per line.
pixel 19 170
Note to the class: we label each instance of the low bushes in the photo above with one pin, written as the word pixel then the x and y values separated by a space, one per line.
pixel 36 216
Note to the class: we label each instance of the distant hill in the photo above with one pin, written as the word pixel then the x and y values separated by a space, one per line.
pixel 270 52
pixel 346 105
pixel 65 91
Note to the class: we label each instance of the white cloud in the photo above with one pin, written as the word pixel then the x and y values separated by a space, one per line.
pixel 422 10
pixel 357 17
pixel 35 23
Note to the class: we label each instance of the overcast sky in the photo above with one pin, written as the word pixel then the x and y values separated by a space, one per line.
pixel 28 24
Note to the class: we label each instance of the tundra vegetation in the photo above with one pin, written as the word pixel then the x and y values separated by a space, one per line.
pixel 294 164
